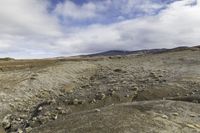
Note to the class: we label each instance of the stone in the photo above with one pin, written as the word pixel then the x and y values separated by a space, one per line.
pixel 191 126
pixel 34 118
pixel 97 110
pixel 15 125
pixel 165 116
pixel 23 116
pixel 93 101
pixel 6 123
pixel 40 108
pixel 28 129
pixel 81 101
pixel 59 108
pixel 11 105
pixel 100 96
pixel 75 101
pixel 175 114
pixel 192 115
pixel 43 119
pixel 134 89
pixel 127 95
pixel 55 117
pixel 47 113
pixel 19 130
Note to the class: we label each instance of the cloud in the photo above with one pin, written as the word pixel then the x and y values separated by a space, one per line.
pixel 175 26
pixel 24 17
pixel 29 30
pixel 68 9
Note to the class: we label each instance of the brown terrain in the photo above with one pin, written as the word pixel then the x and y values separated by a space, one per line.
pixel 135 93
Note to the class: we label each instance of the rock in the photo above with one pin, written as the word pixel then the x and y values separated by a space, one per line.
pixel 75 101
pixel 18 119
pixel 34 118
pixel 191 126
pixel 81 101
pixel 28 129
pixel 135 89
pixel 23 116
pixel 40 108
pixel 11 105
pixel 62 112
pixel 175 114
pixel 71 91
pixel 55 117
pixel 116 88
pixel 53 101
pixel 197 125
pixel 43 119
pixel 127 95
pixel 15 125
pixel 19 130
pixel 97 110
pixel 59 108
pixel 111 92
pixel 192 115
pixel 6 123
pixel 100 96
pixel 93 101
pixel 47 113
pixel 165 116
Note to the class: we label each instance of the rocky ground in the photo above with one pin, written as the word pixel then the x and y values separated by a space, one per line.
pixel 147 93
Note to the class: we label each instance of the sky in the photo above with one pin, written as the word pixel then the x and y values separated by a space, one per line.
pixel 52 28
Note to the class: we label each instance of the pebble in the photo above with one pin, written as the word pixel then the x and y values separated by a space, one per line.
pixel 75 101
pixel 100 96
pixel 23 116
pixel 55 117
pixel 19 130
pixel 190 126
pixel 93 101
pixel 59 108
pixel 127 95
pixel 47 113
pixel 165 116
pixel 28 129
pixel 134 89
pixel 40 109
pixel 97 110
pixel 34 118
pixel 175 114
pixel 192 115
pixel 6 123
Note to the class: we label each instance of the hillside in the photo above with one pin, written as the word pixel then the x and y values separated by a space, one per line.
pixel 156 91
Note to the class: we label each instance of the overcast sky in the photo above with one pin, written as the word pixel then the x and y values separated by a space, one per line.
pixel 48 28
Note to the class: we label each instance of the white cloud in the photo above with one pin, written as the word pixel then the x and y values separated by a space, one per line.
pixel 69 9
pixel 26 17
pixel 176 26
pixel 28 30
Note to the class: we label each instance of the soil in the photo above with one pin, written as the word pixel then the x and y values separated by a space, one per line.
pixel 143 93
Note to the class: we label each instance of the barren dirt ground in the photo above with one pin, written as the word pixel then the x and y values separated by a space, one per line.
pixel 146 93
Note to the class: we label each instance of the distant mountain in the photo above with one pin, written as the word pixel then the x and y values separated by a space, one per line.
pixel 146 51
pixel 121 52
